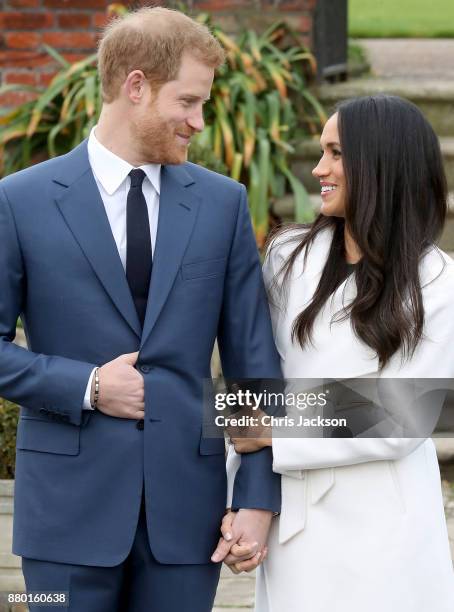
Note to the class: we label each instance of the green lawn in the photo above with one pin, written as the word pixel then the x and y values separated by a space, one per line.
pixel 401 18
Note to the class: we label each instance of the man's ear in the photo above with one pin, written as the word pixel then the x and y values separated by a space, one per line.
pixel 135 86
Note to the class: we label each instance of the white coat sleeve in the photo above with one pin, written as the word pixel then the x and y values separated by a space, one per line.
pixel 433 358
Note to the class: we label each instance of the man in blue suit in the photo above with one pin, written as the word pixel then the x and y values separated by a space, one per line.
pixel 125 262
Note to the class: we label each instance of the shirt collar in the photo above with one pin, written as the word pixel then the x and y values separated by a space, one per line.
pixel 111 170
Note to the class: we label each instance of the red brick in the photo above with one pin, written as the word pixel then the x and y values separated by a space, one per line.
pixel 22 40
pixel 26 21
pixel 24 78
pixel 74 57
pixel 296 5
pixel 77 4
pixel 70 40
pixel 24 3
pixel 100 20
pixel 73 21
pixel 305 23
pixel 45 78
pixel 14 98
pixel 24 59
pixel 219 5
pixel 138 3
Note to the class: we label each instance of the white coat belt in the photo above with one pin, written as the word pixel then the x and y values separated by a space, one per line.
pixel 299 488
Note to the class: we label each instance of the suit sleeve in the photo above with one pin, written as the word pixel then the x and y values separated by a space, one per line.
pixel 247 350
pixel 47 383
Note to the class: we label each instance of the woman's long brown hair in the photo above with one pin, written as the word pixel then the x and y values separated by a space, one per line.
pixel 396 205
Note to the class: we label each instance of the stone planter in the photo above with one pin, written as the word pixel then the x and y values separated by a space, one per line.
pixel 10 566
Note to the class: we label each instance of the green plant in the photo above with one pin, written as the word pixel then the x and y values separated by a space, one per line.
pixel 204 156
pixel 58 119
pixel 358 61
pixel 259 97
pixel 9 415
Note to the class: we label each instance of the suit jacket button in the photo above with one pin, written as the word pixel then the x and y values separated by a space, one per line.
pixel 140 425
pixel 145 369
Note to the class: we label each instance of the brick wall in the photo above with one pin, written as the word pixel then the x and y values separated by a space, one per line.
pixel 73 26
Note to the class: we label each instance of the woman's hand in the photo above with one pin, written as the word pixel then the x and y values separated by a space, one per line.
pixel 252 437
pixel 250 445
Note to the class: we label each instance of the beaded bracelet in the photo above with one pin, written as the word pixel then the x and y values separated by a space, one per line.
pixel 96 393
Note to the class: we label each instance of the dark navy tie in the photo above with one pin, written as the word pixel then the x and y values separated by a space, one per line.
pixel 138 244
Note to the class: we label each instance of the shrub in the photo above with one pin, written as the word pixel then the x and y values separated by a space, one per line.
pixel 9 415
pixel 259 99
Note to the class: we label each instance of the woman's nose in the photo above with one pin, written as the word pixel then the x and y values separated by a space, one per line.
pixel 320 169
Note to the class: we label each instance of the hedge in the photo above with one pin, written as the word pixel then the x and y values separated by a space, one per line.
pixel 9 415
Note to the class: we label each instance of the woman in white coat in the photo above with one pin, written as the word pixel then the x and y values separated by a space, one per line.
pixel 362 291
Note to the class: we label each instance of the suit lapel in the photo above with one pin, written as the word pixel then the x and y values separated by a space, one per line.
pixel 82 207
pixel 178 209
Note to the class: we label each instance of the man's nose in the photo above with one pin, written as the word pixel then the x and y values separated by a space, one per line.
pixel 196 121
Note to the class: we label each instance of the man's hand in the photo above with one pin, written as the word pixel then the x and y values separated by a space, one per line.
pixel 243 545
pixel 121 388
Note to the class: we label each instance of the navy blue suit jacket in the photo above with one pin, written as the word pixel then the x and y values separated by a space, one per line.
pixel 79 475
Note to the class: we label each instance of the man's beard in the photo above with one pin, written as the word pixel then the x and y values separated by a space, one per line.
pixel 157 141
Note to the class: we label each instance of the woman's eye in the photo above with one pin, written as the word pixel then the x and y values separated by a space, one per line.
pixel 336 153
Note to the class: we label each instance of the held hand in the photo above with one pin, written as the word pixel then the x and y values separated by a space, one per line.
pixel 252 437
pixel 250 445
pixel 244 557
pixel 121 388
pixel 228 546
pixel 243 545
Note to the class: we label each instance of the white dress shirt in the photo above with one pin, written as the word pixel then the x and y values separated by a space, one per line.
pixel 112 178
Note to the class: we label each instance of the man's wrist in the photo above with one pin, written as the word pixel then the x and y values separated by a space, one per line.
pixel 272 512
